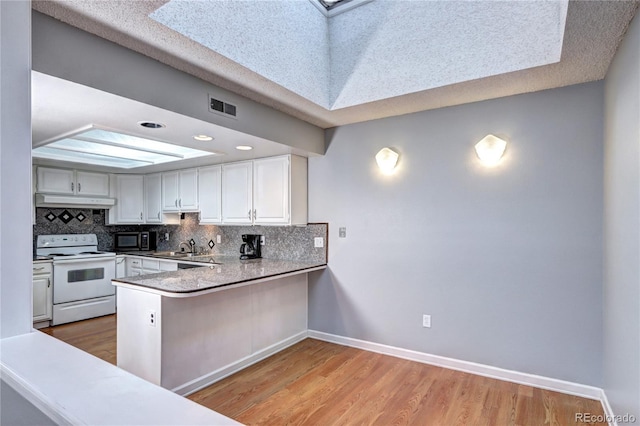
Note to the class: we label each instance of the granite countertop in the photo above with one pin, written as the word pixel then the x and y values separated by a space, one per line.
pixel 231 272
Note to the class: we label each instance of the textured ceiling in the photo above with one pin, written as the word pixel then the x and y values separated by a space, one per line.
pixel 379 50
pixel 592 33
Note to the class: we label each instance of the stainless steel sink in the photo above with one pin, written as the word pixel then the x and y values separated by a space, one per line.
pixel 172 254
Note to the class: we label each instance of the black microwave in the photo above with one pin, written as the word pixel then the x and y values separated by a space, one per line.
pixel 135 241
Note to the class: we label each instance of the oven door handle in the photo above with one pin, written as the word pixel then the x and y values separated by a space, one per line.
pixel 83 260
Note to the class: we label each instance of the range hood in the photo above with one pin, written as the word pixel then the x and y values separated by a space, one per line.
pixel 57 201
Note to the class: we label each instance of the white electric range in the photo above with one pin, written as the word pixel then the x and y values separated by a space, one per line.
pixel 82 276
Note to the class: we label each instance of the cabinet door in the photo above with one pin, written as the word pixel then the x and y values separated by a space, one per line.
pixel 271 190
pixel 56 181
pixel 42 300
pixel 130 198
pixel 170 192
pixel 153 198
pixel 133 266
pixel 210 194
pixel 188 190
pixel 121 269
pixel 168 265
pixel 95 184
pixel 237 192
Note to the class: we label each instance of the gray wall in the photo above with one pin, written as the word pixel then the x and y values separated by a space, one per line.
pixel 15 169
pixel 507 260
pixel 622 227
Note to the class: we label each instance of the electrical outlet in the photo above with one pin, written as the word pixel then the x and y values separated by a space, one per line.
pixel 318 242
pixel 342 232
pixel 262 240
pixel 426 321
pixel 219 239
pixel 151 318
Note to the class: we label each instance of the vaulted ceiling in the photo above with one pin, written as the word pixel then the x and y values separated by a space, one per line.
pixel 378 58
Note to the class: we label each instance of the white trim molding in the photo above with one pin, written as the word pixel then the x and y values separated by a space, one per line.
pixel 541 382
pixel 219 374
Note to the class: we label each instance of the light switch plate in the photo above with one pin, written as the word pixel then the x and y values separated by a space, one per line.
pixel 318 242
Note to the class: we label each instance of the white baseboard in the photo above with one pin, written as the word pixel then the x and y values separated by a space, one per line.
pixel 542 382
pixel 608 411
pixel 219 374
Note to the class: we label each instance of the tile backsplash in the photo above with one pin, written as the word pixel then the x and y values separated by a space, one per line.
pixel 282 242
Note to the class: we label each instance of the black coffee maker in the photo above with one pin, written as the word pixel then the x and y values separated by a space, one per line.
pixel 250 248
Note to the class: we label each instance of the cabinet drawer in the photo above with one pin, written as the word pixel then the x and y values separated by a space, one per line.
pixel 150 264
pixel 42 268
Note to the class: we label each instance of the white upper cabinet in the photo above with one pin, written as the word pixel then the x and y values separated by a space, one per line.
pixel 188 190
pixel 56 181
pixel 271 190
pixel 237 192
pixel 153 198
pixel 268 191
pixel 90 183
pixel 72 182
pixel 210 194
pixel 180 191
pixel 130 199
pixel 280 191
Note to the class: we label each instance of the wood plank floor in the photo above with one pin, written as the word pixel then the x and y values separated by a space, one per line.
pixel 319 383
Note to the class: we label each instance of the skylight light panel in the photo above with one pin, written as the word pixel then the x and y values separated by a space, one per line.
pixel 86 158
pixel 107 148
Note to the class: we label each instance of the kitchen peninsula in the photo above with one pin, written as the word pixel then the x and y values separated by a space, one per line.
pixel 186 329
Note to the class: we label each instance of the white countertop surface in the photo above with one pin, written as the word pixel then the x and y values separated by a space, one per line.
pixel 73 387
pixel 231 273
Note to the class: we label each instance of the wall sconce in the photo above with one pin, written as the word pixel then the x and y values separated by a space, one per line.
pixel 490 150
pixel 387 159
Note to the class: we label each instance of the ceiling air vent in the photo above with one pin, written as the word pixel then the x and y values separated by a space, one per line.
pixel 218 106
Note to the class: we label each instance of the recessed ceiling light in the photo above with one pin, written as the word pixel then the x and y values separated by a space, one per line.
pixel 244 147
pixel 203 138
pixel 151 125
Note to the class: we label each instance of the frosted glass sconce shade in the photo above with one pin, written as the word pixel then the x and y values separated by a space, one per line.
pixel 387 159
pixel 490 150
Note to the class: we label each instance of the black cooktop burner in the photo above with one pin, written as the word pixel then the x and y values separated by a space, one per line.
pixel 60 254
pixel 92 252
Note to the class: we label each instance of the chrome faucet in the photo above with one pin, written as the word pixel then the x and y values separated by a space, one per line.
pixel 186 244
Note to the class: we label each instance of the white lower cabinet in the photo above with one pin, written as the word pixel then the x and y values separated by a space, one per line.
pixel 136 266
pixel 42 291
pixel 121 268
pixel 133 266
